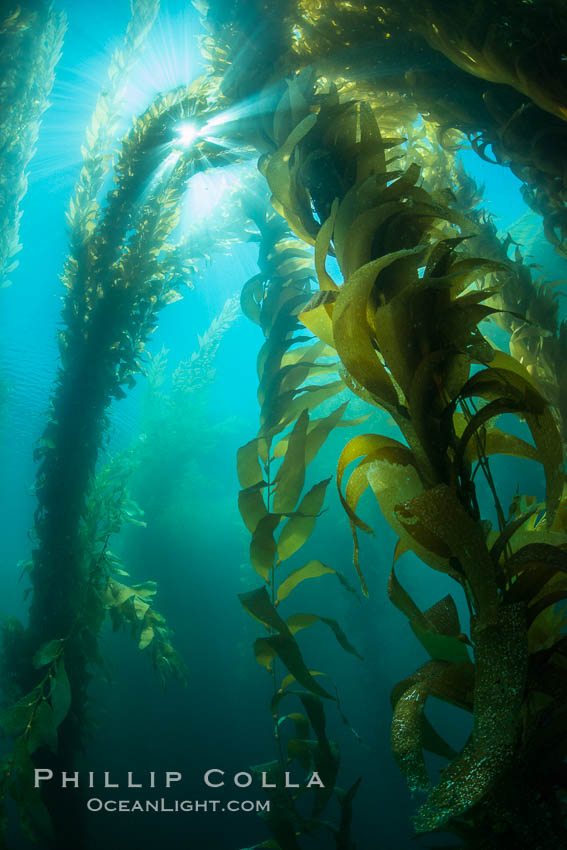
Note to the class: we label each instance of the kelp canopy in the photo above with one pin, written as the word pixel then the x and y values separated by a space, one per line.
pixel 494 71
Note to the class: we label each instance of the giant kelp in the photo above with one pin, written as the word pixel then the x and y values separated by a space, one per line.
pixel 405 325
pixel 293 374
pixel 31 37
pixel 121 271
pixel 494 71
pixel 176 420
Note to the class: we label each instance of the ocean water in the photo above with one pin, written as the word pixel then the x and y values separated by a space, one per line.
pixel 193 542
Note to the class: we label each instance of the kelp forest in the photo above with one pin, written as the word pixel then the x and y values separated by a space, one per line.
pixel 326 498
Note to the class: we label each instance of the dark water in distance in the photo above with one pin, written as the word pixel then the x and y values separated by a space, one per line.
pixel 195 544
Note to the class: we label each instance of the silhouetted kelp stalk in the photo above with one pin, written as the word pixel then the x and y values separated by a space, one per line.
pixel 31 38
pixel 118 277
pixel 109 504
pixel 404 324
pixel 272 477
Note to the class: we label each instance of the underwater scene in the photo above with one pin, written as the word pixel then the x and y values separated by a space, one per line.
pixel 283 414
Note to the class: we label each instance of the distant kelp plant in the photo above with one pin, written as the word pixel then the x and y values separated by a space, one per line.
pixel 281 518
pixel 175 421
pixel 122 270
pixel 31 38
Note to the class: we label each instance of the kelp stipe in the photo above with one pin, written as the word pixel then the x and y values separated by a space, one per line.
pixel 31 38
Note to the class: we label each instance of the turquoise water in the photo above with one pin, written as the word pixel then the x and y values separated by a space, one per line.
pixel 194 544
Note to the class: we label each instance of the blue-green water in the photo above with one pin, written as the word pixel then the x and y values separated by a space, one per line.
pixel 194 543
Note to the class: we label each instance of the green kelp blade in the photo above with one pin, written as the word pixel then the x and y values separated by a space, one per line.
pixel 251 298
pixel 263 545
pixel 47 653
pixel 402 600
pixel 146 637
pixel 43 729
pixel 494 409
pixel 370 447
pixel 352 333
pixel 283 689
pixel 441 647
pixel 533 566
pixel 248 465
pixel 297 622
pixel 15 718
pixel 317 432
pixel 301 750
pixel 322 427
pixel 60 695
pixel 287 650
pixel 497 442
pixel 313 569
pixel 264 654
pixel 439 519
pixel 278 168
pixel 300 722
pixel 289 680
pixel 307 397
pixel 342 837
pixel 292 377
pixel 33 815
pixel 508 379
pixel 291 474
pixel 283 644
pixel 252 508
pixel 298 528
pixel 311 352
pixel 438 629
pixel 444 617
pixel 325 754
pixel 322 244
pixel 371 148
pixel 257 603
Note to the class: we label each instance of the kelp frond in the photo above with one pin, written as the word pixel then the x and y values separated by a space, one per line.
pixel 405 323
pixel 117 279
pixel 198 371
pixel 31 38
pixel 102 132
pixel 296 375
